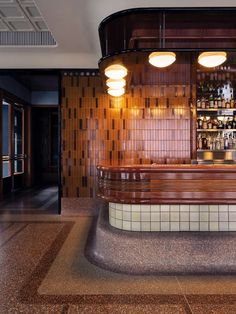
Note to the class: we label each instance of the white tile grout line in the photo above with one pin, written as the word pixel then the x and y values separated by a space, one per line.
pixel 183 294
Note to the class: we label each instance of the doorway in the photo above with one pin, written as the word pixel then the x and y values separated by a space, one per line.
pixel 30 127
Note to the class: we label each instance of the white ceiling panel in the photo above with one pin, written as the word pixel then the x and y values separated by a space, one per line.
pixel 33 11
pixel 21 25
pixel 11 11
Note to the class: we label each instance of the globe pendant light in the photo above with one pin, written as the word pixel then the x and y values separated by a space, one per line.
pixel 211 59
pixel 116 92
pixel 116 71
pixel 115 84
pixel 162 59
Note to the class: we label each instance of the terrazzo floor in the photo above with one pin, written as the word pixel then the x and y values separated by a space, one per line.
pixel 43 270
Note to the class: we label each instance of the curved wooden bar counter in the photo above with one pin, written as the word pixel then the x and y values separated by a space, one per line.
pixel 168 184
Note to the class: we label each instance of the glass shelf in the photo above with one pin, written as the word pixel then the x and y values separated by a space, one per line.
pixel 216 130
pixel 216 110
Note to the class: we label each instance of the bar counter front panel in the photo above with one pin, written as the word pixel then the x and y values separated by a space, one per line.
pixel 170 197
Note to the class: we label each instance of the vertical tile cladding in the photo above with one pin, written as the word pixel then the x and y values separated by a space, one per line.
pixel 131 129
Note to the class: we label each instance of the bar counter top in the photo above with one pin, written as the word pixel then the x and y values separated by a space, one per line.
pixel 168 184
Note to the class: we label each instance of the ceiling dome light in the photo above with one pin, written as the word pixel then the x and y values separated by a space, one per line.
pixel 116 71
pixel 211 59
pixel 116 92
pixel 162 59
pixel 115 84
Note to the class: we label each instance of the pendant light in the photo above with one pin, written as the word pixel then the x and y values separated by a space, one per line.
pixel 116 71
pixel 116 92
pixel 115 84
pixel 211 59
pixel 162 59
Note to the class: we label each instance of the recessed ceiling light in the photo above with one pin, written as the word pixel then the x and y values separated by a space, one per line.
pixel 116 71
pixel 162 59
pixel 212 59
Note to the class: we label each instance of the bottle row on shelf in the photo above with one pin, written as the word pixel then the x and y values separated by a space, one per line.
pixel 216 142
pixel 215 123
pixel 215 103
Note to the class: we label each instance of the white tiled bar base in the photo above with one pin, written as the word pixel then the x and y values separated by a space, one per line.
pixel 173 217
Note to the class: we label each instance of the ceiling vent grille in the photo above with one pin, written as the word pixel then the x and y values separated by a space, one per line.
pixel 27 39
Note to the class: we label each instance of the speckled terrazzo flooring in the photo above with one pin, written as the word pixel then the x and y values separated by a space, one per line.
pixel 43 270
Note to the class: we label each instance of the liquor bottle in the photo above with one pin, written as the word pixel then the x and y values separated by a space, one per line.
pixel 224 122
pixel 203 103
pixel 215 103
pixel 227 105
pixel 199 123
pixel 204 123
pixel 229 124
pixel 226 142
pixel 199 142
pixel 211 101
pixel 210 124
pixel 199 103
pixel 234 122
pixel 219 104
pixel 230 141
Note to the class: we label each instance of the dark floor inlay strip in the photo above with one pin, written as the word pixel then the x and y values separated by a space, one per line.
pixel 211 298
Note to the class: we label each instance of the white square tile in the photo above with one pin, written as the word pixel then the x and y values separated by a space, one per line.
pixel 194 216
pixel 119 214
pixel 174 216
pixel 223 208
pixel 127 225
pixel 135 226
pixel 112 212
pixel 223 216
pixel 214 216
pixel 126 215
pixel 223 226
pixel 135 208
pixel 174 226
pixel 184 216
pixel 204 216
pixel 204 208
pixel 145 208
pixel 155 216
pixel 155 208
pixel 174 208
pixel 165 208
pixel 232 226
pixel 112 205
pixel 213 208
pixel 127 207
pixel 155 226
pixel 194 208
pixel 194 226
pixel 119 224
pixel 165 226
pixel 136 216
pixel 232 216
pixel 214 225
pixel 146 226
pixel 119 206
pixel 165 216
pixel 184 226
pixel 112 221
pixel 184 208
pixel 204 226
pixel 232 208
pixel 145 216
